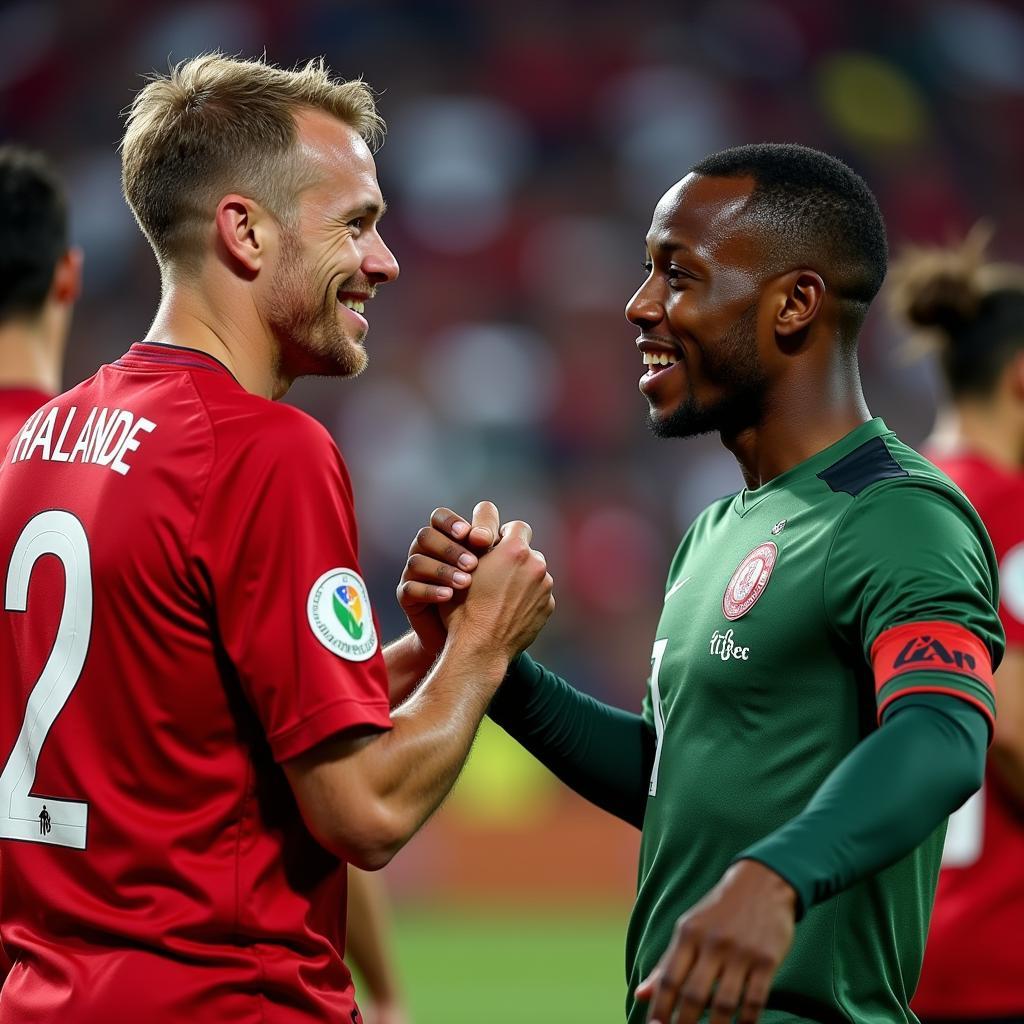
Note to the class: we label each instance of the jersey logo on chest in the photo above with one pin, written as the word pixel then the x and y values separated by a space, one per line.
pixel 749 580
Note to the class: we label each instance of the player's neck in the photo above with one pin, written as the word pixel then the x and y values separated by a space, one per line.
pixel 795 428
pixel 987 429
pixel 240 342
pixel 31 354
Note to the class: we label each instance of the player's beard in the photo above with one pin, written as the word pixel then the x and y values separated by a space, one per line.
pixel 311 327
pixel 733 365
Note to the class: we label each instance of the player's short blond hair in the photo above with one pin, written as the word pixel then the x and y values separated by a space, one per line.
pixel 217 124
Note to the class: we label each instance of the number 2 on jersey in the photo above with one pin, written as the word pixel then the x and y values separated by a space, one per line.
pixel 659 720
pixel 23 815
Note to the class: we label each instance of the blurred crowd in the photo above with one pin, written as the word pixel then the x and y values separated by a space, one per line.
pixel 527 146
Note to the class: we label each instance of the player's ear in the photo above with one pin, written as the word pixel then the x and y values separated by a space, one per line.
pixel 800 297
pixel 67 277
pixel 242 230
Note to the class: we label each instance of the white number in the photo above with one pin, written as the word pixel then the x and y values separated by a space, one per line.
pixel 965 833
pixel 22 814
pixel 659 720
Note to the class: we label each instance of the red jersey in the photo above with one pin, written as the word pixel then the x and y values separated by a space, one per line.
pixel 184 611
pixel 16 405
pixel 974 962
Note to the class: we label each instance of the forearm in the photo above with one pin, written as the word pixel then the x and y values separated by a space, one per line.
pixel 367 935
pixel 888 795
pixel 364 797
pixel 407 664
pixel 410 769
pixel 603 753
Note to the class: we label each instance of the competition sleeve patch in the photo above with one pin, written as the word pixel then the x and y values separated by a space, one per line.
pixel 956 661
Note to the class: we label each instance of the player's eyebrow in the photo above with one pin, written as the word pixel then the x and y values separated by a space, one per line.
pixel 667 245
pixel 371 208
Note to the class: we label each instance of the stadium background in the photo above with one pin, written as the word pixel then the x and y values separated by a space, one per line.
pixel 528 144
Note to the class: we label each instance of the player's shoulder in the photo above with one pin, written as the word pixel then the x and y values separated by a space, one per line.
pixel 902 498
pixel 885 471
pixel 257 429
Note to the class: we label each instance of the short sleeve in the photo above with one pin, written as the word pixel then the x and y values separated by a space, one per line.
pixel 276 544
pixel 911 581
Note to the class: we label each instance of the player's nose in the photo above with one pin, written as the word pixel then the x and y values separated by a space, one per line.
pixel 644 309
pixel 379 263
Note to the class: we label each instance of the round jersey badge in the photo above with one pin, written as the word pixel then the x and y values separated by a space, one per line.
pixel 749 580
pixel 338 609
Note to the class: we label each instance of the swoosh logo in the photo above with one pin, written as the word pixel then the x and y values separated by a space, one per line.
pixel 677 586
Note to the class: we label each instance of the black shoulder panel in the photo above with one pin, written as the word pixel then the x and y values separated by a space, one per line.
pixel 864 466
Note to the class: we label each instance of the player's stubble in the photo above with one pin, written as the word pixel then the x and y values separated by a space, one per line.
pixel 732 363
pixel 301 321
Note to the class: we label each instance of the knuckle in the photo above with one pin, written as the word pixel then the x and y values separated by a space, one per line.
pixel 423 535
pixel 725 1007
pixel 719 943
pixel 442 572
pixel 692 998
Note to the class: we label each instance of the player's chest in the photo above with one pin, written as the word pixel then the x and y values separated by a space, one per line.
pixel 744 614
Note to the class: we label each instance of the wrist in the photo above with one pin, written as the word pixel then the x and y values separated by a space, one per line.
pixel 468 648
pixel 770 884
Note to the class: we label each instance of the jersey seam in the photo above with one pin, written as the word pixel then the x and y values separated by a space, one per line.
pixel 832 965
pixel 258 960
pixel 206 487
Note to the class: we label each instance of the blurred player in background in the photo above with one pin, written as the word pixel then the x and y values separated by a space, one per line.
pixel 40 279
pixel 195 718
pixel 820 695
pixel 972 309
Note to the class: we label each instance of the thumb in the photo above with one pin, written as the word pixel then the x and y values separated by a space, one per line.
pixel 485 524
pixel 517 529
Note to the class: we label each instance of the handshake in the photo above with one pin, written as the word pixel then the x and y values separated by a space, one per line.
pixel 476 581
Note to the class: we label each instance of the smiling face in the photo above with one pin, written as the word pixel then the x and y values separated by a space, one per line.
pixel 698 309
pixel 331 258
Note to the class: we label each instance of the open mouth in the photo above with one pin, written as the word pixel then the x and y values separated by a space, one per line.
pixel 658 362
pixel 356 305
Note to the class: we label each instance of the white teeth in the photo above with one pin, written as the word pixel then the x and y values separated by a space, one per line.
pixel 353 304
pixel 659 359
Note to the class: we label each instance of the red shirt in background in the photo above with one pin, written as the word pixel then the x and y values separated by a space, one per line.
pixel 184 611
pixel 16 405
pixel 974 961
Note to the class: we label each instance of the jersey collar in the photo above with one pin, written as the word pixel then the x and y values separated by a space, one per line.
pixel 165 354
pixel 748 499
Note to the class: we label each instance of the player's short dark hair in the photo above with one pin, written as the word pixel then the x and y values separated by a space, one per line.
pixel 33 229
pixel 815 212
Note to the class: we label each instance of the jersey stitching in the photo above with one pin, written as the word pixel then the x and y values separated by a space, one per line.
pixel 206 488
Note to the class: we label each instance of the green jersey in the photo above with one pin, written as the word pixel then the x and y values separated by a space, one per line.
pixel 795 615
